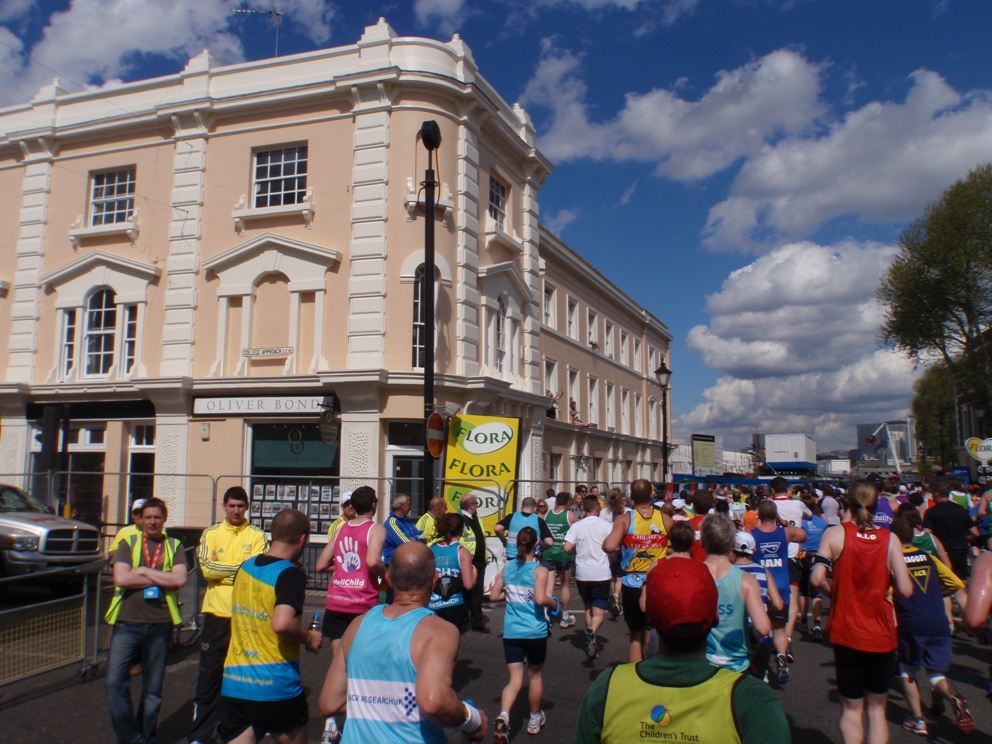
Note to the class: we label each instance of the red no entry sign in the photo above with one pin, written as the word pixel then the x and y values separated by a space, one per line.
pixel 435 434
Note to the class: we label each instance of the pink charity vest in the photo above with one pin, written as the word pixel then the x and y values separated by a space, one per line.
pixel 352 588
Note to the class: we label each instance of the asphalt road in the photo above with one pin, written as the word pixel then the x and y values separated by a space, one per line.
pixel 53 708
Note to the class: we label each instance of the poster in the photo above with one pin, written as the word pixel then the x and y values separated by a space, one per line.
pixel 257 491
pixel 481 458
pixel 325 493
pixel 270 492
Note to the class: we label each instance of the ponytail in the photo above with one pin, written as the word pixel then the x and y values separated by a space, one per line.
pixel 526 541
pixel 863 501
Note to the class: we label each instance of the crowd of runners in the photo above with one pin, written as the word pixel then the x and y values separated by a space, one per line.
pixel 713 585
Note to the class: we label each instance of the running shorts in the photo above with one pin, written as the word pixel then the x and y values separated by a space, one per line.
pixel 932 652
pixel 594 593
pixel 534 650
pixel 457 615
pixel 793 572
pixel 336 623
pixel 557 565
pixel 276 717
pixel 861 671
pixel 782 615
pixel 805 572
pixel 633 615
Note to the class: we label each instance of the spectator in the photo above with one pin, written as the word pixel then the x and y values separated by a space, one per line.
pixel 128 530
pixel 427 524
pixel 474 540
pixel 399 527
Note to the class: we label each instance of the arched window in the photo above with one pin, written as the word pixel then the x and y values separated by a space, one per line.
pixel 101 327
pixel 419 310
pixel 500 337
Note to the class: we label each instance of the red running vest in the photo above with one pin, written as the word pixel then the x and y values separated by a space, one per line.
pixel 861 617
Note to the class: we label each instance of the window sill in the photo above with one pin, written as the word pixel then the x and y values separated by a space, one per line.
pixel 243 214
pixel 78 234
pixel 496 234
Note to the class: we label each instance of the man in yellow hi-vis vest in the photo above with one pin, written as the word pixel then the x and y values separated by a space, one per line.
pixel 678 695
pixel 149 568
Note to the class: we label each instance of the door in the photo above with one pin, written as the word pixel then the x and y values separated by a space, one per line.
pixel 408 477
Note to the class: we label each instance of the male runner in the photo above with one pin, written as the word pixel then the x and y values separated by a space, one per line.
pixel 772 541
pixel 790 511
pixel 810 601
pixel 592 568
pixel 393 669
pixel 924 635
pixel 556 559
pixel 641 535
pixel 262 693
pixel 507 528
pixel 744 548
pixel 223 548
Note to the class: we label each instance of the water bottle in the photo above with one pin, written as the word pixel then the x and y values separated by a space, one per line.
pixel 315 623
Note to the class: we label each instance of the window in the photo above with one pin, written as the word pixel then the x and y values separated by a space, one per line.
pixel 419 330
pixel 549 306
pixel 69 342
pixel 624 348
pixel 554 470
pixel 101 324
pixel 651 360
pixel 638 416
pixel 637 355
pixel 593 326
pixel 597 468
pixel 611 416
pixel 573 385
pixel 551 376
pixel 652 418
pixel 130 336
pixel 573 323
pixel 280 176
pixel 593 405
pixel 109 337
pixel 497 202
pixel 113 197
pixel 500 337
pixel 609 340
pixel 624 411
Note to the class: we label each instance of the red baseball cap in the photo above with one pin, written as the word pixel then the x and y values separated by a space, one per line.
pixel 681 592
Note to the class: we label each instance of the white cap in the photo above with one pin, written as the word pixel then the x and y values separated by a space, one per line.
pixel 678 503
pixel 744 543
pixel 346 495
pixel 138 503
pixel 818 492
pixel 902 489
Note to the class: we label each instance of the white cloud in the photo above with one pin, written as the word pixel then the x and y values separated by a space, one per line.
pixel 94 41
pixel 447 14
pixel 560 220
pixel 882 162
pixel 628 192
pixel 794 333
pixel 689 140
pixel 13 9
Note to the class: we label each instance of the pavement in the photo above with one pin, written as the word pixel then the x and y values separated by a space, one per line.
pixel 54 708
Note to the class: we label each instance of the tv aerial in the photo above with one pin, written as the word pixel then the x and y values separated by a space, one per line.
pixel 275 14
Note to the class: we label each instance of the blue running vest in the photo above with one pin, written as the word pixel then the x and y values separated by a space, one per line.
pixel 727 643
pixel 772 552
pixel 524 617
pixel 447 591
pixel 518 521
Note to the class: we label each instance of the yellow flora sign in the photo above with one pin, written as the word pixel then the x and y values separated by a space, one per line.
pixel 980 449
pixel 481 459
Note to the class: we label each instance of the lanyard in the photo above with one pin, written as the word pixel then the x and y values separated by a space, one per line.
pixel 149 561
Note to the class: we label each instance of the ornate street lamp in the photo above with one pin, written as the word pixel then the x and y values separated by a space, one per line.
pixel 664 376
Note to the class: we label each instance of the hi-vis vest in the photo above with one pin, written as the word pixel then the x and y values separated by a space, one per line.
pixel 171 546
pixel 638 711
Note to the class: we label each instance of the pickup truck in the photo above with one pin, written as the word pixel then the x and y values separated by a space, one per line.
pixel 33 539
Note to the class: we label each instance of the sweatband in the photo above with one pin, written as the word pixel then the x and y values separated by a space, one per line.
pixel 821 560
pixel 473 720
pixel 935 678
pixel 907 671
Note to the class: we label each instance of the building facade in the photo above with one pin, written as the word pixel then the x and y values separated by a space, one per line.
pixel 198 265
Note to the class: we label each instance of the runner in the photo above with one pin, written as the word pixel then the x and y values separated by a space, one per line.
pixel 924 637
pixel 740 603
pixel 525 631
pixel 509 526
pixel 862 627
pixel 773 541
pixel 810 601
pixel 615 506
pixel 456 574
pixel 642 537
pixel 592 568
pixel 744 548
pixel 393 672
pixel 558 562
pixel 791 511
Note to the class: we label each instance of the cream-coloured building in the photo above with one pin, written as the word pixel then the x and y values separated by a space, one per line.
pixel 197 264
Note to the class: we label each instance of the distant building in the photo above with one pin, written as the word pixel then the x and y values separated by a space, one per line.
pixel 887 447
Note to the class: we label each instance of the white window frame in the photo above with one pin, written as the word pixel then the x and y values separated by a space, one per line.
pixel 573 387
pixel 652 419
pixel 637 355
pixel 638 416
pixel 550 302
pixel 592 326
pixel 121 201
pixel 611 413
pixel 498 200
pixel 597 469
pixel 500 339
pixel 624 348
pixel 419 340
pixel 297 193
pixel 573 321
pixel 74 334
pixel 554 469
pixel 592 405
pixel 608 339
pixel 550 376
pixel 624 411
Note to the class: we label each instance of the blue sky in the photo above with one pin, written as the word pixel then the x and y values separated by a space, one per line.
pixel 753 162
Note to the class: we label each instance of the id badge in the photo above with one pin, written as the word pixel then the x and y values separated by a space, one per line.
pixel 151 592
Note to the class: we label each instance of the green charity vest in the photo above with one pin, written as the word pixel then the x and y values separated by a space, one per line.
pixel 558 524
pixel 639 711
pixel 171 545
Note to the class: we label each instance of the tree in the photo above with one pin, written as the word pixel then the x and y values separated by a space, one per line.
pixel 933 409
pixel 937 293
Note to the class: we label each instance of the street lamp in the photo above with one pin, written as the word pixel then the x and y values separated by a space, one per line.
pixel 430 135
pixel 664 376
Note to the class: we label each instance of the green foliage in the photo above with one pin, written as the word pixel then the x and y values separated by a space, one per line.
pixel 933 409
pixel 937 293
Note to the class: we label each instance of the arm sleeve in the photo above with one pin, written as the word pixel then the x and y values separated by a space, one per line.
pixel 590 724
pixel 948 579
pixel 927 521
pixel 123 554
pixel 213 570
pixel 291 589
pixel 505 521
pixel 545 530
pixel 758 713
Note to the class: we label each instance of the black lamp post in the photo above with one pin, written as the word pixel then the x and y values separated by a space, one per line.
pixel 664 376
pixel 430 135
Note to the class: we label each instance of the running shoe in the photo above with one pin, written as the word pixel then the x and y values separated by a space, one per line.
pixel 783 669
pixel 788 653
pixel 332 735
pixel 591 650
pixel 501 730
pixel 936 702
pixel 614 606
pixel 916 725
pixel 567 621
pixel 965 721
pixel 817 633
pixel 536 722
